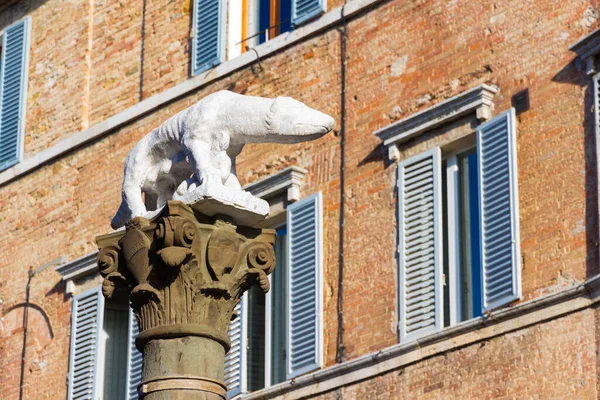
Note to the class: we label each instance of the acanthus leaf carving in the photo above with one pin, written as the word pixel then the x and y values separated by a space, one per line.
pixel 181 269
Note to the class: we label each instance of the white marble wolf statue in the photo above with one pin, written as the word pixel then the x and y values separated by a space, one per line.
pixel 195 150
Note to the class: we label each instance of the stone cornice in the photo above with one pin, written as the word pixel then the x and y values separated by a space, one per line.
pixel 288 180
pixel 587 49
pixel 77 139
pixel 79 267
pixel 506 320
pixel 478 100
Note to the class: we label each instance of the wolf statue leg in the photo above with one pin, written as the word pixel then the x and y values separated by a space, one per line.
pixel 200 156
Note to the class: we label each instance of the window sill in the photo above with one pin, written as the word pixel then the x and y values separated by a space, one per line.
pixel 326 21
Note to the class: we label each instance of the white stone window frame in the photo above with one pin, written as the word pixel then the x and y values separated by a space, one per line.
pixel 82 267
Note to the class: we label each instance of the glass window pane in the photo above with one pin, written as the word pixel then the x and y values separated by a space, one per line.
pixel 446 262
pixel 264 20
pixel 256 339
pixel 470 268
pixel 285 16
pixel 278 309
pixel 113 365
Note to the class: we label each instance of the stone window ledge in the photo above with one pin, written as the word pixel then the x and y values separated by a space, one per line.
pixel 587 49
pixel 288 181
pixel 279 189
pixel 478 100
pixel 77 269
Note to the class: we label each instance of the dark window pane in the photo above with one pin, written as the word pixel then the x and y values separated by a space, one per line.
pixel 446 285
pixel 470 268
pixel 474 226
pixel 256 339
pixel 285 13
pixel 264 19
pixel 278 309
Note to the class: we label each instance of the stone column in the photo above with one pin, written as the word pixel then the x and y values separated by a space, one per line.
pixel 185 272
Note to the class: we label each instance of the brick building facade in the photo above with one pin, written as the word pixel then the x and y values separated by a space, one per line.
pixel 419 79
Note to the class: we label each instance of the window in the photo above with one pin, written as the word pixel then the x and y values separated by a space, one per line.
pixel 253 22
pixel 263 20
pixel 104 362
pixel 266 351
pixel 458 231
pixel 250 23
pixel 278 336
pixel 460 199
pixel 14 66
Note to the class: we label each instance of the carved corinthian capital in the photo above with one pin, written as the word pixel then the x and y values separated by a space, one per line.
pixel 185 272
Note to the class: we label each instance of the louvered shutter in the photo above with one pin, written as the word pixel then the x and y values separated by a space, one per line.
pixel 13 91
pixel 304 10
pixel 420 245
pixel 208 43
pixel 134 359
pixel 86 325
pixel 499 206
pixel 304 284
pixel 235 358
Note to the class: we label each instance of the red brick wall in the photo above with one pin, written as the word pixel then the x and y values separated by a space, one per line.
pixel 546 361
pixel 402 56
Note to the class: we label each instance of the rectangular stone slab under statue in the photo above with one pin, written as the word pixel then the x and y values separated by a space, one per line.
pixel 186 262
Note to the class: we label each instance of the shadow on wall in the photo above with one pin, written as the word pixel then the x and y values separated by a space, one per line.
pixel 14 10
pixel 574 74
pixel 39 326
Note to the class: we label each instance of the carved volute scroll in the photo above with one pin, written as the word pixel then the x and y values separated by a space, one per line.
pixel 185 272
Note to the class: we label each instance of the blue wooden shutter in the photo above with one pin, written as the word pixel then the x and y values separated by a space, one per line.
pixel 305 287
pixel 208 45
pixel 13 91
pixel 496 145
pixel 86 324
pixel 420 245
pixel 235 358
pixel 134 359
pixel 304 10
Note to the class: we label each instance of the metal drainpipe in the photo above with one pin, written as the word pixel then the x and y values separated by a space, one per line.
pixel 30 275
pixel 339 357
